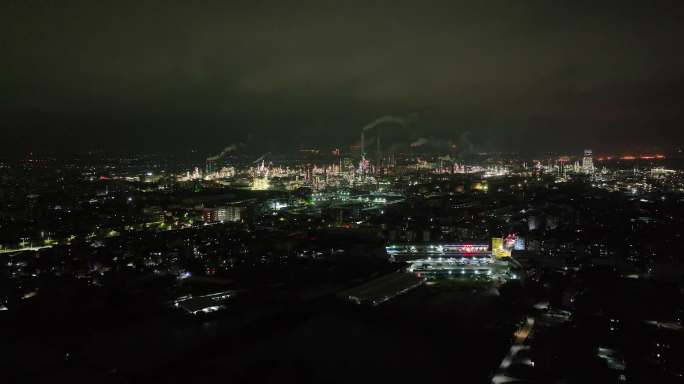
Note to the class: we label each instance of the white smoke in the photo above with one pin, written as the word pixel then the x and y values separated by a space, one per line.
pixel 384 119
pixel 261 157
pixel 375 123
pixel 225 151
pixel 419 143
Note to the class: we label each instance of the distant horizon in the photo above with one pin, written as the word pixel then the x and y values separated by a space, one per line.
pixel 326 152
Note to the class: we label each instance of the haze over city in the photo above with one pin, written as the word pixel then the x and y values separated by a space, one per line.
pixel 166 76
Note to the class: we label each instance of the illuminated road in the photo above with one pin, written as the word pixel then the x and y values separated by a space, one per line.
pixel 524 332
pixel 24 249
pixel 521 335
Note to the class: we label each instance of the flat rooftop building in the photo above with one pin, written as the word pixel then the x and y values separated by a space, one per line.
pixel 410 252
pixel 204 304
pixel 382 288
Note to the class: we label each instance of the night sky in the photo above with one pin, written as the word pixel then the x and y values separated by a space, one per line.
pixel 519 75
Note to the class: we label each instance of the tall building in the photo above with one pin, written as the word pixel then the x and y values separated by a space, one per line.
pixel 588 162
pixel 226 213
pixel 210 166
pixel 229 213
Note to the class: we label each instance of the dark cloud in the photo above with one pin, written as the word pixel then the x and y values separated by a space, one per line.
pixel 153 74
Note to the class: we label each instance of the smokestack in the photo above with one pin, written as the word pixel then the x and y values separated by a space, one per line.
pixel 375 123
pixel 363 142
pixel 377 154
